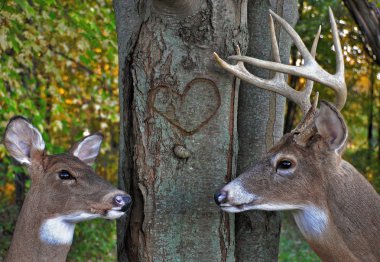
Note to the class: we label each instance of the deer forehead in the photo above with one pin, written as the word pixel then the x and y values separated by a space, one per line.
pixel 64 159
pixel 56 163
pixel 286 145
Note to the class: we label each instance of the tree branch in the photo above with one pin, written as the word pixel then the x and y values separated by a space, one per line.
pixel 79 64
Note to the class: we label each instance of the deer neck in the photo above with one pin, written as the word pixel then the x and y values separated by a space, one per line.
pixel 343 226
pixel 32 225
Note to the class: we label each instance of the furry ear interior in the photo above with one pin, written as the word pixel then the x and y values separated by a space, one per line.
pixel 331 127
pixel 88 148
pixel 21 139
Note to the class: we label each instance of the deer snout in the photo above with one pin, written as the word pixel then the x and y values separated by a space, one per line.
pixel 234 197
pixel 122 201
pixel 220 197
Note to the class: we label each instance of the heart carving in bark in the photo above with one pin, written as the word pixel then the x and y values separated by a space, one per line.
pixel 190 110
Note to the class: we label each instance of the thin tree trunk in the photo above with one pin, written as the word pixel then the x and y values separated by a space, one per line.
pixel 371 116
pixel 291 109
pixel 260 124
pixel 174 95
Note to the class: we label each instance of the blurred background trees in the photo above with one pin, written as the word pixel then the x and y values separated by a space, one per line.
pixel 58 67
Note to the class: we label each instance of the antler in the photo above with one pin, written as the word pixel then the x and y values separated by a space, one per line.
pixel 310 70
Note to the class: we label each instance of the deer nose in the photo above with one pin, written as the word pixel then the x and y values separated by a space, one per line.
pixel 220 197
pixel 122 201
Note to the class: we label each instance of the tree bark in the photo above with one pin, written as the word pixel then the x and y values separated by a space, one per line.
pixel 260 124
pixel 128 16
pixel 178 140
pixel 174 95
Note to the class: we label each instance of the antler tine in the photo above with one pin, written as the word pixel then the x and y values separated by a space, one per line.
pixel 310 70
pixel 274 84
pixel 303 98
pixel 277 84
pixel 275 50
pixel 337 46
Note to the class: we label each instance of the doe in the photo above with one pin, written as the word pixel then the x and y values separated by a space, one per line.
pixel 64 191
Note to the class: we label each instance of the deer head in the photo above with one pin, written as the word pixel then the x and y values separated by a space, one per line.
pixel 289 176
pixel 304 171
pixel 64 191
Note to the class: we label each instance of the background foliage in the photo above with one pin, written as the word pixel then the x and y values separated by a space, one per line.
pixel 58 67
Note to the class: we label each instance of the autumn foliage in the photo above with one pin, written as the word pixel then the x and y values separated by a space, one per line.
pixel 58 68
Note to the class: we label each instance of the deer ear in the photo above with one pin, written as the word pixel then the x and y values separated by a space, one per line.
pixel 22 139
pixel 331 127
pixel 88 148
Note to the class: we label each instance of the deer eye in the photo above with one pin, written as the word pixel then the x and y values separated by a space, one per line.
pixel 285 167
pixel 65 175
pixel 284 164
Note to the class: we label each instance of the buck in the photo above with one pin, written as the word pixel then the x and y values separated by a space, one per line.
pixel 335 208
pixel 64 191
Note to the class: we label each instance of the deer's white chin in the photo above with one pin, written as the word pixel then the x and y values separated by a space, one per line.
pixel 60 230
pixel 237 208
pixel 114 214
pixel 232 209
pixel 256 206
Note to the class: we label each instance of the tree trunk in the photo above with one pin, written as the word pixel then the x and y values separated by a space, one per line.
pixel 370 140
pixel 174 95
pixel 178 139
pixel 260 124
pixel 367 16
pixel 291 107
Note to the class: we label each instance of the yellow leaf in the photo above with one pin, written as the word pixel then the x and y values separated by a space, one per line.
pixel 69 101
pixel 8 190
pixel 98 71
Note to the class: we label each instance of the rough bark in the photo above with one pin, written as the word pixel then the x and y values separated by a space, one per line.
pixel 260 124
pixel 172 93
pixel 367 16
pixel 128 17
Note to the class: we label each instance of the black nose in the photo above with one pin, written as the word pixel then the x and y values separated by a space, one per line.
pixel 220 197
pixel 123 201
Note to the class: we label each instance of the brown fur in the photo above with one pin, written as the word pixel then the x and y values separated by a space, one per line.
pixel 320 179
pixel 49 196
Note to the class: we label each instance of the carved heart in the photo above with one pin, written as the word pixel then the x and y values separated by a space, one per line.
pixel 190 110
